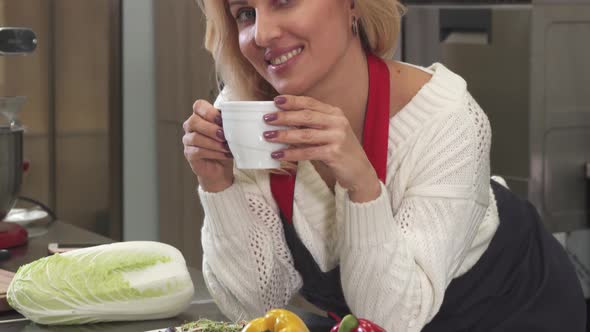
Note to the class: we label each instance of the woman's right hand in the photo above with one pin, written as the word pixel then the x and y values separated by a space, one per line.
pixel 206 149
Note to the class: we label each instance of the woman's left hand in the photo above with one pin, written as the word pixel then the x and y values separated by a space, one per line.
pixel 323 133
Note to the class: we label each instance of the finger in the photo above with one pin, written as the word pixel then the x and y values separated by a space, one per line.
pixel 303 136
pixel 193 153
pixel 300 118
pixel 199 140
pixel 293 103
pixel 207 111
pixel 197 124
pixel 300 154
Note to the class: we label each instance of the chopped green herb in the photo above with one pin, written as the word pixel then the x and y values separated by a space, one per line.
pixel 206 325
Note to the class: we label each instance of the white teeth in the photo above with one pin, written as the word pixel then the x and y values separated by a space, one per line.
pixel 285 57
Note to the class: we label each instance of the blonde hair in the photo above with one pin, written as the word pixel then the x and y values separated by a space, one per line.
pixel 379 28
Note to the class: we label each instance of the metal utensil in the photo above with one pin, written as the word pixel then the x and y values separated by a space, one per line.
pixel 11 153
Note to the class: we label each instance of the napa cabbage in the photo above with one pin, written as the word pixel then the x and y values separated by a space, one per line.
pixel 114 282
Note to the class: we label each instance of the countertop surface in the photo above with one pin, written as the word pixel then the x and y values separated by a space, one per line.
pixel 202 305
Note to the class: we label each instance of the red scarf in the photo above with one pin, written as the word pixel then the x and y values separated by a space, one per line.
pixel 375 136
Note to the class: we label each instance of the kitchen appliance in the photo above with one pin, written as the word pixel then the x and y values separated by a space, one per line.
pixel 5 279
pixel 525 63
pixel 13 41
pixel 11 169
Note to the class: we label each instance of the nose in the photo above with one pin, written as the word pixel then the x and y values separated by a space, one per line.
pixel 267 29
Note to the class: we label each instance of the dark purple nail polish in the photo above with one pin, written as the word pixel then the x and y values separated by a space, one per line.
pixel 271 134
pixel 220 134
pixel 270 117
pixel 218 120
pixel 280 100
pixel 277 155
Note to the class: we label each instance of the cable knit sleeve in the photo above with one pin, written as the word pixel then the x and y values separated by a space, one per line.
pixel 247 265
pixel 399 252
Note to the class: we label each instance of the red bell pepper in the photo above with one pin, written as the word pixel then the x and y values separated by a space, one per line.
pixel 351 324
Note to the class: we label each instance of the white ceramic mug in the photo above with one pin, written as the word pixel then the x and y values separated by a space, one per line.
pixel 244 126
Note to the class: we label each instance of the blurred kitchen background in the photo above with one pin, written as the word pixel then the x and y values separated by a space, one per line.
pixel 107 89
pixel 112 81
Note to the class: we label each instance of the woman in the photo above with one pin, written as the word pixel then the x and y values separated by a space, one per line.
pixel 390 214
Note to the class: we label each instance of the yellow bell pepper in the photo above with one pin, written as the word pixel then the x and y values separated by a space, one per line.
pixel 277 320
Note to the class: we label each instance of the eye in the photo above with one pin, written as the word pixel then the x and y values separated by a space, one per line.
pixel 245 15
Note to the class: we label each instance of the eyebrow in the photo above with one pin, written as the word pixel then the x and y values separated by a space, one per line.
pixel 237 2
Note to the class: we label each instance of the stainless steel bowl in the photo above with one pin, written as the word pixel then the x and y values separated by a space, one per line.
pixel 11 167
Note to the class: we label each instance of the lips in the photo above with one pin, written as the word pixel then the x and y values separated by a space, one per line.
pixel 280 56
pixel 285 57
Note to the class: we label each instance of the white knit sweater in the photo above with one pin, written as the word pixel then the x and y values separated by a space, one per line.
pixel 397 254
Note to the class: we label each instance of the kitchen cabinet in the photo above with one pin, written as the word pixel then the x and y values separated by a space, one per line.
pixel 73 110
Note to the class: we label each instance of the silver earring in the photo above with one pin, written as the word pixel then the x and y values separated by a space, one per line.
pixel 355 28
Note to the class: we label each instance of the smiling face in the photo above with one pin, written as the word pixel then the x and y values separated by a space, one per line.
pixel 293 44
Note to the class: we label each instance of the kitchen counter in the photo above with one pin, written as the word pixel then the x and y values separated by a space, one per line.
pixel 202 305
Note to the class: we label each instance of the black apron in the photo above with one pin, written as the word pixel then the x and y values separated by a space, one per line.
pixel 523 282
